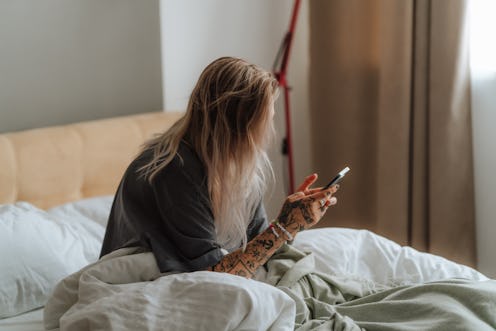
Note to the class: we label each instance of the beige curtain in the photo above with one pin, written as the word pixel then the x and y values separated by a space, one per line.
pixel 389 91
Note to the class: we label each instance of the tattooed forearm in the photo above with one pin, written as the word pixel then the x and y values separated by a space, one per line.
pixel 267 244
pixel 284 215
pixel 298 213
pixel 258 251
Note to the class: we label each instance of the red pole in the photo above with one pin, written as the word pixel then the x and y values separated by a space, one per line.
pixel 289 142
pixel 289 36
pixel 281 76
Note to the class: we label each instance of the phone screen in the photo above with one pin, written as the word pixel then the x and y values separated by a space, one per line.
pixel 338 178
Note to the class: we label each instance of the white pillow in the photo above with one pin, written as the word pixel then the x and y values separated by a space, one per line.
pixel 364 255
pixel 95 209
pixel 38 248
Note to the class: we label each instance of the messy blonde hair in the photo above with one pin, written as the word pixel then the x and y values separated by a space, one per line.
pixel 229 124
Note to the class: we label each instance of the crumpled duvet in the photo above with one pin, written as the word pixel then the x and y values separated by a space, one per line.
pixel 327 302
pixel 125 291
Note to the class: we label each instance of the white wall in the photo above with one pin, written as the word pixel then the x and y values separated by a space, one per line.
pixel 483 68
pixel 194 33
pixel 484 135
pixel 69 61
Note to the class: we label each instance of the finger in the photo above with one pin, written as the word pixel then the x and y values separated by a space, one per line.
pixel 328 203
pixel 321 194
pixel 314 190
pixel 296 196
pixel 333 189
pixel 309 180
pixel 331 202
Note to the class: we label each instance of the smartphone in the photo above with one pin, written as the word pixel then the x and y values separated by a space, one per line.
pixel 338 178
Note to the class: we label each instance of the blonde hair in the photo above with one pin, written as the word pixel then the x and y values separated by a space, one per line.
pixel 228 123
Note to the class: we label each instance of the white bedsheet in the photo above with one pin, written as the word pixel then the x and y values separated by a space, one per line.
pixel 338 251
pixel 30 321
pixel 362 254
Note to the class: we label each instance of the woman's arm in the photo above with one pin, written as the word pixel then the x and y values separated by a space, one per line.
pixel 300 211
pixel 258 251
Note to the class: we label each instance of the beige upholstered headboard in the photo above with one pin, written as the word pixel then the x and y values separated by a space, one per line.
pixel 50 166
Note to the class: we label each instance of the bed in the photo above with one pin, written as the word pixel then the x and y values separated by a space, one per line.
pixel 55 194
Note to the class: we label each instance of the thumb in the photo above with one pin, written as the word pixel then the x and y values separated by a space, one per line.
pixel 309 180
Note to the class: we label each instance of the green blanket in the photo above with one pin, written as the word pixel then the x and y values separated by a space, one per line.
pixel 328 302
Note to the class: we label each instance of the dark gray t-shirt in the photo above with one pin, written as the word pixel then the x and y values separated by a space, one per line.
pixel 172 217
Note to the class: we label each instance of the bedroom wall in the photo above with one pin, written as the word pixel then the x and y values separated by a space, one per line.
pixel 194 33
pixel 484 135
pixel 483 70
pixel 66 61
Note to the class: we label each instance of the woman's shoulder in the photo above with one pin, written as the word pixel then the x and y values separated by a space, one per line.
pixel 185 165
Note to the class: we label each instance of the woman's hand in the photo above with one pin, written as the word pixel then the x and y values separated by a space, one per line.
pixel 305 208
pixel 300 211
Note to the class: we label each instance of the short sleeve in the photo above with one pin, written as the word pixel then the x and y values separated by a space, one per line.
pixel 185 239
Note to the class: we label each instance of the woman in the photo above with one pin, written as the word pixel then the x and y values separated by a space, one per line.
pixel 193 196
